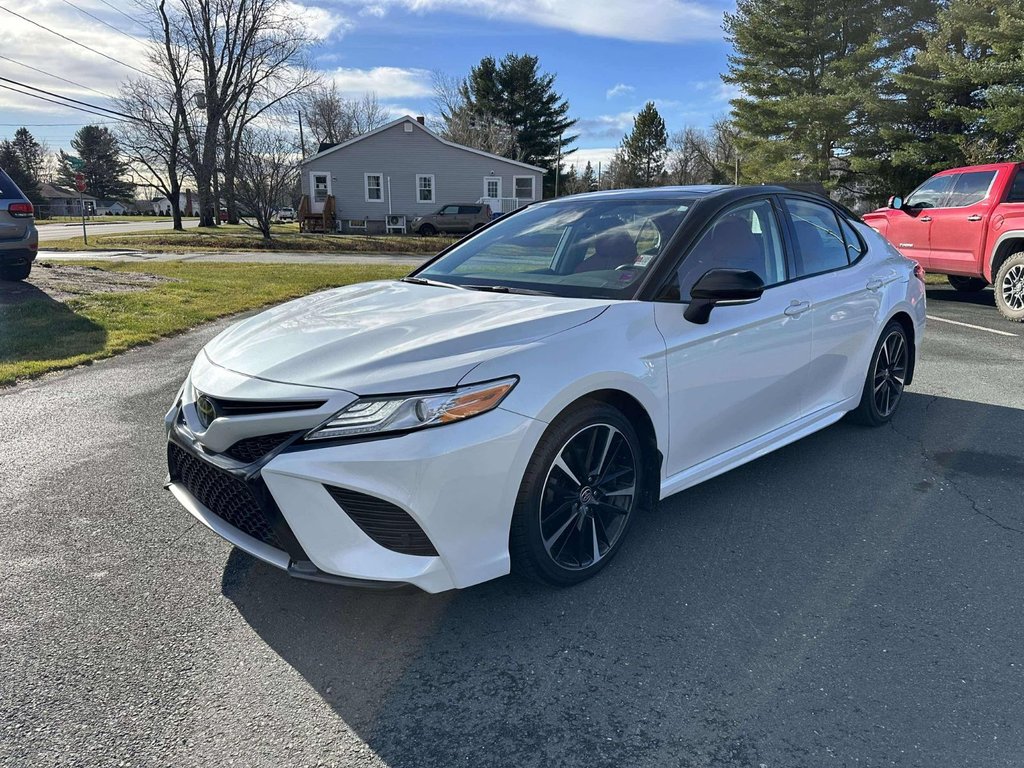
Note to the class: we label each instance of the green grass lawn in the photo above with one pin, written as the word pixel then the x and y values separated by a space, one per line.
pixel 239 237
pixel 103 219
pixel 40 334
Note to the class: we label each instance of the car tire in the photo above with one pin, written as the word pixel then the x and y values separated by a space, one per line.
pixel 1009 286
pixel 428 230
pixel 16 272
pixel 572 512
pixel 886 378
pixel 967 284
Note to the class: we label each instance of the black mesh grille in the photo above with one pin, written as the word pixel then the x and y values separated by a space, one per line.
pixel 252 407
pixel 386 524
pixel 227 497
pixel 252 448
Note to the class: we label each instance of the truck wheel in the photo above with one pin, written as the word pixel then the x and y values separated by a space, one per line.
pixel 967 284
pixel 16 272
pixel 1009 287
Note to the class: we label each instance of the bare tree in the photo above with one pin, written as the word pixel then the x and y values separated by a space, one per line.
pixel 333 119
pixel 267 166
pixel 228 62
pixel 703 156
pixel 458 122
pixel 153 143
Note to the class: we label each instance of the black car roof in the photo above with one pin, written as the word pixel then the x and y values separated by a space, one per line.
pixel 671 193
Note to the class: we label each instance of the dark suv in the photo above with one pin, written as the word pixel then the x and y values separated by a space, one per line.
pixel 454 218
pixel 19 240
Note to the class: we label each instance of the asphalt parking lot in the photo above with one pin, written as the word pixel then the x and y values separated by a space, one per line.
pixel 851 600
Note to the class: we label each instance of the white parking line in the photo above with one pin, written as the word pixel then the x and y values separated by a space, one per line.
pixel 968 325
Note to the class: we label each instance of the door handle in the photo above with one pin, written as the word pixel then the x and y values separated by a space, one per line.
pixel 874 284
pixel 926 218
pixel 974 217
pixel 797 308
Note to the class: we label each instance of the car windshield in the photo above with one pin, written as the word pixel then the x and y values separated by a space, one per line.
pixel 575 248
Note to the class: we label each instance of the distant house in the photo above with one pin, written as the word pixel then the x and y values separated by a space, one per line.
pixel 110 208
pixel 65 202
pixel 402 170
pixel 162 205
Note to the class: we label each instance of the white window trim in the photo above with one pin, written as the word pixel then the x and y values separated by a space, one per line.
pixel 357 223
pixel 533 187
pixel 312 186
pixel 433 189
pixel 366 187
pixel 492 178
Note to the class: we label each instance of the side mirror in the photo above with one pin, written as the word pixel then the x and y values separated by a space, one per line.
pixel 722 286
pixel 896 203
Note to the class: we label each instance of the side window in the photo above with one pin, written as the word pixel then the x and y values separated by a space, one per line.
pixel 744 237
pixel 1017 190
pixel 820 245
pixel 854 245
pixel 931 194
pixel 970 188
pixel 470 209
pixel 450 210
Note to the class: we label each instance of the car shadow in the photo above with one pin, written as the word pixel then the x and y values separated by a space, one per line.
pixel 983 298
pixel 37 327
pixel 790 612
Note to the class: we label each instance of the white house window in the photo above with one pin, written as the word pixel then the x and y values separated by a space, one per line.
pixel 525 187
pixel 374 187
pixel 492 186
pixel 424 188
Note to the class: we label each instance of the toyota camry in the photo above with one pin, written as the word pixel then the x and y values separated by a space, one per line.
pixel 518 401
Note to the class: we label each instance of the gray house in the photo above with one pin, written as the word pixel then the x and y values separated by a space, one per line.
pixel 383 179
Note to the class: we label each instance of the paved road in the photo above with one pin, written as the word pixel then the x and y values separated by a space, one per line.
pixel 62 231
pixel 238 257
pixel 854 599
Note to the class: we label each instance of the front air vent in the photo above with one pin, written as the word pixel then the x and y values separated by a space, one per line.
pixel 256 407
pixel 390 526
pixel 251 449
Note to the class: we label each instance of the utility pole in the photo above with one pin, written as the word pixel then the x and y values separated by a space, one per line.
pixel 302 139
pixel 558 162
pixel 737 177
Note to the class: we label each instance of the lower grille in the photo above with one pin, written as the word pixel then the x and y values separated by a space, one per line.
pixel 390 526
pixel 252 448
pixel 227 497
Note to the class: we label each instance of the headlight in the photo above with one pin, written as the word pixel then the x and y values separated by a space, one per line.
pixel 399 413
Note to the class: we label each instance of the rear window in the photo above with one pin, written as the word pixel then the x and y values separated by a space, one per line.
pixel 1017 190
pixel 7 187
pixel 473 209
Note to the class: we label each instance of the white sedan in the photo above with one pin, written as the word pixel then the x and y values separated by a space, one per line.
pixel 518 401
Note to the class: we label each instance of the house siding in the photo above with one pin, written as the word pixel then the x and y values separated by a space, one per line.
pixel 402 156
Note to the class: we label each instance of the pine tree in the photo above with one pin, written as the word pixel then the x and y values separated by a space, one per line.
pixel 104 169
pixel 518 96
pixel 588 179
pixel 645 149
pixel 23 158
pixel 807 71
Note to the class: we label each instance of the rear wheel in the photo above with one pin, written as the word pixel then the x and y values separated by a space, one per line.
pixel 578 496
pixel 967 284
pixel 1009 287
pixel 428 230
pixel 15 271
pixel 887 376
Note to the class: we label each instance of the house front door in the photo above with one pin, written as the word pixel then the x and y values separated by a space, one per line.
pixel 492 192
pixel 320 190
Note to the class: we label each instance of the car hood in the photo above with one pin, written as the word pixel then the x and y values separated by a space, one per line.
pixel 390 336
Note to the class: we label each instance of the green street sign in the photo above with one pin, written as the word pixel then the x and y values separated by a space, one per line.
pixel 76 163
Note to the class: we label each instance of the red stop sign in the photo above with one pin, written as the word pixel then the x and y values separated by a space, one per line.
pixel 80 182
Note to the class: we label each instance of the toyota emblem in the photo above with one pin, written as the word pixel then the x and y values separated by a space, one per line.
pixel 206 410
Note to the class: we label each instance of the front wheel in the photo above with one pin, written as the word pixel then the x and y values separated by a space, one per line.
pixel 428 230
pixel 578 496
pixel 1009 287
pixel 967 284
pixel 887 376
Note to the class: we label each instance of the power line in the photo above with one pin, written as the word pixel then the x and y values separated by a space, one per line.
pixel 58 77
pixel 113 112
pixel 101 21
pixel 115 8
pixel 75 42
pixel 58 103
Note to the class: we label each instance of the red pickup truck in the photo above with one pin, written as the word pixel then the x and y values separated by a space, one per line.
pixel 967 223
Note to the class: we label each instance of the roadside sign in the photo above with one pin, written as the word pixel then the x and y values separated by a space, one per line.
pixel 80 182
pixel 75 162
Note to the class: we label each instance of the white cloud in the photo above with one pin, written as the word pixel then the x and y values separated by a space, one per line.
pixel 663 21
pixel 319 23
pixel 618 90
pixel 605 126
pixel 386 82
pixel 593 155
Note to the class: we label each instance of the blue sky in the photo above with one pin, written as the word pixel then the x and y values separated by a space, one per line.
pixel 609 56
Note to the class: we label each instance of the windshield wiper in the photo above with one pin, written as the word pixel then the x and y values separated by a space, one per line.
pixel 424 281
pixel 507 289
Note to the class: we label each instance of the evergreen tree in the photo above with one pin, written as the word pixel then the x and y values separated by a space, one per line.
pixel 588 179
pixel 569 181
pixel 645 149
pixel 517 95
pixel 23 158
pixel 104 168
pixel 807 71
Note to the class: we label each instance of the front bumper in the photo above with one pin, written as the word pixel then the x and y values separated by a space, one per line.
pixel 457 484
